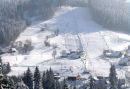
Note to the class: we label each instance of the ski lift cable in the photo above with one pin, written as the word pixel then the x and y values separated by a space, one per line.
pixel 103 37
pixel 80 42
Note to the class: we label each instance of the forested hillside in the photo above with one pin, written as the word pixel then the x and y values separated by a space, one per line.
pixel 15 15
pixel 11 21
pixel 111 13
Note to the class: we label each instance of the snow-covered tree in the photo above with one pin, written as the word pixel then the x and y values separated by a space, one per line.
pixel 54 53
pixel 56 32
pixel 91 83
pixel 48 80
pixel 28 79
pixel 46 42
pixel 37 79
pixel 8 67
pixel 20 85
pixel 27 46
pixel 65 85
pixel 113 78
pixel 4 68
pixel 44 78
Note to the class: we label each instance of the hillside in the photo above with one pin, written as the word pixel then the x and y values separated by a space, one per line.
pixel 77 30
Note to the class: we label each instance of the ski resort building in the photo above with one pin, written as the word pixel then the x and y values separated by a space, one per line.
pixel 112 54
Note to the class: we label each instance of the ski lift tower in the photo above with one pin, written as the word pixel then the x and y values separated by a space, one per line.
pixel 103 37
pixel 80 43
pixel 85 59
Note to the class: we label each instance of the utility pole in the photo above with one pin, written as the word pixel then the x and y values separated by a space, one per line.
pixel 85 59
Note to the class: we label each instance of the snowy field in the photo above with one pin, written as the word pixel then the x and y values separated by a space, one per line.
pixel 76 28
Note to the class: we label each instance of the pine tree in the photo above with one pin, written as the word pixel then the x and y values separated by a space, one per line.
pixel 57 84
pixel 5 68
pixel 20 85
pixel 102 84
pixel 54 54
pixel 50 82
pixel 113 79
pixel 44 80
pixel 91 84
pixel 5 82
pixel 119 84
pixel 65 86
pixel 28 79
pixel 56 32
pixel 8 67
pixel 37 79
pixel 74 88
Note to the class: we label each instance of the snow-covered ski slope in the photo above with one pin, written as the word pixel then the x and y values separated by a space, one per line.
pixel 76 27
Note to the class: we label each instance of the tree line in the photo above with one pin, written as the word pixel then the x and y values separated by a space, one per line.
pixel 47 80
pixel 37 81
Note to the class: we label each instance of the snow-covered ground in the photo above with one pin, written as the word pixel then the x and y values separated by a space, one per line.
pixel 76 27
